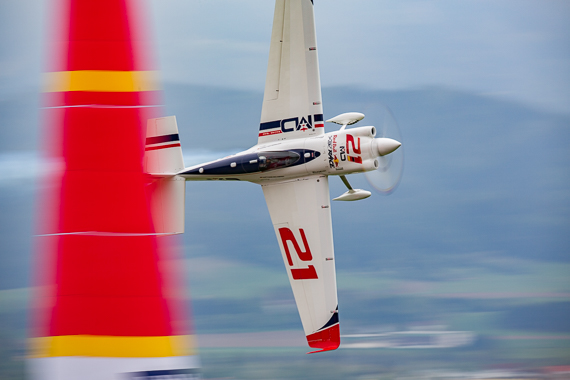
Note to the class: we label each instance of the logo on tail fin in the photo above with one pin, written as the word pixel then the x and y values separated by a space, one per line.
pixel 304 124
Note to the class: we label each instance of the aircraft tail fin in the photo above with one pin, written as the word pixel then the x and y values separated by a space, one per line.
pixel 162 160
pixel 163 153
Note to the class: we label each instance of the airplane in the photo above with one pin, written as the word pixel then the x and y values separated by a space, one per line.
pixel 292 162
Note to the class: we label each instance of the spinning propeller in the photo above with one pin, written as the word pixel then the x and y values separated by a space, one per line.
pixel 387 175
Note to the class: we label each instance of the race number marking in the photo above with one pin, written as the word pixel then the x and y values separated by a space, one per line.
pixel 298 273
pixel 355 148
pixel 350 140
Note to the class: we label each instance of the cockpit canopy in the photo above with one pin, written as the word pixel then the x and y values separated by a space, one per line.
pixel 276 160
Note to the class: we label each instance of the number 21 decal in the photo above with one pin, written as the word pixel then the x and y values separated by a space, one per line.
pixel 298 273
pixel 355 149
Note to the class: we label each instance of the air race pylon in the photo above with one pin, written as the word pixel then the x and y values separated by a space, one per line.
pixel 105 307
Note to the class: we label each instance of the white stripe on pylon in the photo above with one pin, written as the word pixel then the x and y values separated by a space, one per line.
pixel 89 368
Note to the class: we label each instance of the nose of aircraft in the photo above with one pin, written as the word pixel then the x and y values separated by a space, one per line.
pixel 386 146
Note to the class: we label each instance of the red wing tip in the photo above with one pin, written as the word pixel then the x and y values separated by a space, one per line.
pixel 323 350
pixel 325 340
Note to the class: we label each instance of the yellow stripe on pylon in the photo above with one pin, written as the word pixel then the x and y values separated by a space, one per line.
pixel 113 346
pixel 101 81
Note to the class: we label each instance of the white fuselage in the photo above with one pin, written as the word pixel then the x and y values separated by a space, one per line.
pixel 335 153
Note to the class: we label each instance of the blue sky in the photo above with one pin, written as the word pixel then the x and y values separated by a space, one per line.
pixel 513 49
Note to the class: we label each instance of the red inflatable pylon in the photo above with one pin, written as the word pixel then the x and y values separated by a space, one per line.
pixel 103 311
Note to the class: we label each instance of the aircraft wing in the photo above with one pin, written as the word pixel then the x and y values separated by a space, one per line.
pixel 292 104
pixel 300 213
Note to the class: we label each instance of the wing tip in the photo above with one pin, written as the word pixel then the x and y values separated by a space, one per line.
pixel 327 339
pixel 323 350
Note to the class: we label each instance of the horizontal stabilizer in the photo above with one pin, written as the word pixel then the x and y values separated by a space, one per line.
pixel 167 204
pixel 163 159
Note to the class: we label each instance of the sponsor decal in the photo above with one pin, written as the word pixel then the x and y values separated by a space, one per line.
pixel 338 153
pixel 289 125
pixel 330 152
pixel 302 123
pixel 334 151
pixel 269 133
pixel 336 161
